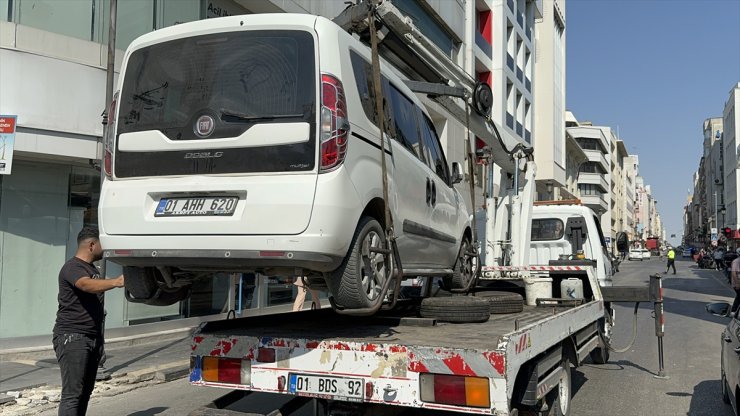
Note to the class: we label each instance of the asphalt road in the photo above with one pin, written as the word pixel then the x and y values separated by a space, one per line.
pixel 624 386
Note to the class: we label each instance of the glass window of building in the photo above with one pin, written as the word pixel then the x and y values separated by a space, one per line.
pixel 72 18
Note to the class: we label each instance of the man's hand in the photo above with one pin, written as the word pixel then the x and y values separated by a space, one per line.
pixel 118 281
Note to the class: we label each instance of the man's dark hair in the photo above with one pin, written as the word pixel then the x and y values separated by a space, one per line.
pixel 87 233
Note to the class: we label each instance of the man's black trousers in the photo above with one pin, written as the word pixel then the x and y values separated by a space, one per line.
pixel 671 263
pixel 78 357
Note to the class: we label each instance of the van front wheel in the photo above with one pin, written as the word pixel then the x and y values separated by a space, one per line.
pixel 466 267
pixel 357 283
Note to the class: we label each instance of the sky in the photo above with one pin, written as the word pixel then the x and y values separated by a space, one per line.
pixel 654 70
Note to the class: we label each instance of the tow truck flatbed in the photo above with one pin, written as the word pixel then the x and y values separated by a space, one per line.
pixel 393 358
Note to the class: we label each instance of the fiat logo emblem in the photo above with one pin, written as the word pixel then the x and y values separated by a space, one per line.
pixel 204 126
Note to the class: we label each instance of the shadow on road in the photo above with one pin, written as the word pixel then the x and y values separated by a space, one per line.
pixel 706 400
pixel 149 412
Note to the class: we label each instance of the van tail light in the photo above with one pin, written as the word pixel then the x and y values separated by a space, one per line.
pixel 110 134
pixel 334 123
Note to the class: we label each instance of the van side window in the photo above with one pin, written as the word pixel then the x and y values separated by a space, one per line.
pixel 364 79
pixel 432 149
pixel 547 229
pixel 406 122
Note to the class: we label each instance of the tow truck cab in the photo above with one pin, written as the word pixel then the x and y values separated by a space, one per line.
pixel 566 231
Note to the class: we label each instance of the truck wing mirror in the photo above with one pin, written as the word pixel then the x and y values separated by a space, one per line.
pixel 457 175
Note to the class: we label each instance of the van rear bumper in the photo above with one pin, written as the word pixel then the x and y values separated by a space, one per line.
pixel 227 260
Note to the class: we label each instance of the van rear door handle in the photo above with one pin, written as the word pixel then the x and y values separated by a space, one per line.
pixel 429 192
pixel 434 193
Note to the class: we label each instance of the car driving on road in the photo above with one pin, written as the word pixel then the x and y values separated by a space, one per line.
pixel 638 254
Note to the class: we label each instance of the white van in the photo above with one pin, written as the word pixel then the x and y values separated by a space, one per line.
pixel 249 143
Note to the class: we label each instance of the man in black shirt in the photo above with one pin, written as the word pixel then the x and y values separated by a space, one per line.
pixel 78 331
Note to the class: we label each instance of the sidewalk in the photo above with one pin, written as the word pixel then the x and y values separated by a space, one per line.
pixel 159 358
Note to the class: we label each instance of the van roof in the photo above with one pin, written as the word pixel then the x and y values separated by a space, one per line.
pixel 222 24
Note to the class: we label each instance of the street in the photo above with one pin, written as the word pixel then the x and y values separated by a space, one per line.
pixel 625 386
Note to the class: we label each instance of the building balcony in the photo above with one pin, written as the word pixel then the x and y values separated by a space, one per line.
pixel 597 157
pixel 594 179
pixel 596 202
pixel 588 132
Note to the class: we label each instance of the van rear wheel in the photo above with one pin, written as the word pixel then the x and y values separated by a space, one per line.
pixel 357 283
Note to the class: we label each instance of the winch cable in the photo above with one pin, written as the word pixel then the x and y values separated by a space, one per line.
pixel 634 334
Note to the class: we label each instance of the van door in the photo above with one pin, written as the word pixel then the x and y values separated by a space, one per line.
pixel 412 183
pixel 444 205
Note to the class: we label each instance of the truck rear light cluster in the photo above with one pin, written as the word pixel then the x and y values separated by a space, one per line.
pixel 226 370
pixel 455 390
pixel 334 123
pixel 108 140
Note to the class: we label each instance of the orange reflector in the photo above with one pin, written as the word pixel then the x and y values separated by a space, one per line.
pixel 476 392
pixel 210 369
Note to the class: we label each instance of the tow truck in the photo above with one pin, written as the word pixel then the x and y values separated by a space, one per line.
pixel 514 362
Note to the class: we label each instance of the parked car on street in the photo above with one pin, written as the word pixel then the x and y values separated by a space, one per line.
pixel 639 254
pixel 730 345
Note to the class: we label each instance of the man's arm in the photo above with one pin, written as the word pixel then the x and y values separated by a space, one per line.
pixel 86 284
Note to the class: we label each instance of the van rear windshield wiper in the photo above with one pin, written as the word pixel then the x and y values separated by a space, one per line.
pixel 234 116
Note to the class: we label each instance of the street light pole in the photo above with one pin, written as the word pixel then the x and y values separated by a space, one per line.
pixel 716 218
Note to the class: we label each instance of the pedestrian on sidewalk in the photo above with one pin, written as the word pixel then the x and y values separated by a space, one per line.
pixel 671 260
pixel 301 295
pixel 78 331
pixel 735 279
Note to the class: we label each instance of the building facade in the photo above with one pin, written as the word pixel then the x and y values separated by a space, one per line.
pixel 731 147
pixel 549 96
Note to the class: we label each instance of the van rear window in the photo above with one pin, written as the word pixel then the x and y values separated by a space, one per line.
pixel 238 79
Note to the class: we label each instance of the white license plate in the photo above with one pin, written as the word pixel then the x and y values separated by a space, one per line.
pixel 333 387
pixel 196 206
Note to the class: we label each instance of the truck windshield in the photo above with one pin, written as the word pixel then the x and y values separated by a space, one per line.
pixel 235 79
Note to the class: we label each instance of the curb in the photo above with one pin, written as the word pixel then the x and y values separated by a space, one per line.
pixel 47 351
pixel 162 373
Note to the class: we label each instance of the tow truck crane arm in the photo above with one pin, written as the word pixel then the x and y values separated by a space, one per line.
pixel 434 73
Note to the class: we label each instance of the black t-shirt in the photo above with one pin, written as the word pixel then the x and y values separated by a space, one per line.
pixel 79 311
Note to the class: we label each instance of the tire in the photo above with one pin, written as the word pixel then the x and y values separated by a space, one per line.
pixel 599 355
pixel 140 282
pixel 457 309
pixel 725 391
pixel 502 302
pixel 559 398
pixel 352 285
pixel 465 269
pixel 168 297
